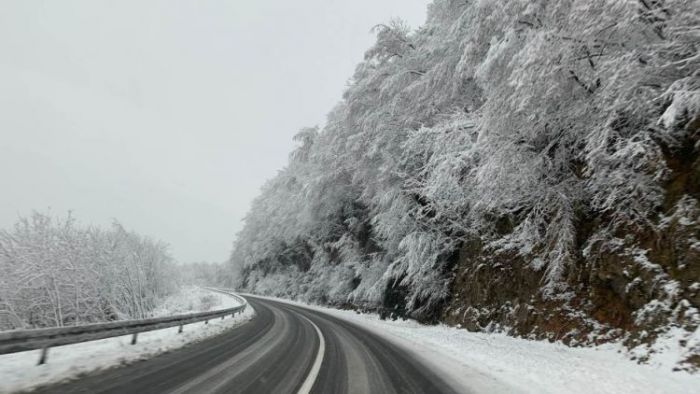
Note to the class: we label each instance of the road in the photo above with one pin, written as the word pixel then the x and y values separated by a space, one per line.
pixel 283 349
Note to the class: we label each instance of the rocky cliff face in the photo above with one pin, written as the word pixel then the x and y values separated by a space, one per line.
pixel 627 282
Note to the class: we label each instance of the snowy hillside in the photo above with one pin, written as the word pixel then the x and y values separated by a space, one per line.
pixel 529 167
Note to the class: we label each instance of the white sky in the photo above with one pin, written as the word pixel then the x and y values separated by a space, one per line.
pixel 168 115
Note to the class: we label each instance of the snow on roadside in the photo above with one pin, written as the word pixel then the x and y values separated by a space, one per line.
pixel 19 372
pixel 193 299
pixel 497 363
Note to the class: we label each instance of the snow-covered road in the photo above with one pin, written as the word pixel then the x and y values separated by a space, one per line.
pixel 279 351
pixel 497 363
pixel 289 346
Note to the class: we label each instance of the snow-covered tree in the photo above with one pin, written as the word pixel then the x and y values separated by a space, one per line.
pixel 550 132
pixel 56 272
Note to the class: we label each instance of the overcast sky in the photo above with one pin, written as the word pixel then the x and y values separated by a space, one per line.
pixel 168 115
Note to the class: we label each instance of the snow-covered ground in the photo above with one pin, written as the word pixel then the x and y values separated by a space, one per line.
pixel 194 299
pixel 497 363
pixel 19 371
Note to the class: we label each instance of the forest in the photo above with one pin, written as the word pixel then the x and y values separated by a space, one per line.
pixel 56 272
pixel 529 167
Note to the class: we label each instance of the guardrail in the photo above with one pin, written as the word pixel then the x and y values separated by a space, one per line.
pixel 44 338
pixel 229 293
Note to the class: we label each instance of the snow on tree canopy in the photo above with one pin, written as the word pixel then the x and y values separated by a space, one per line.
pixel 511 123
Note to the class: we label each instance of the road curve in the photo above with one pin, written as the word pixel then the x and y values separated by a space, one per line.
pixel 276 352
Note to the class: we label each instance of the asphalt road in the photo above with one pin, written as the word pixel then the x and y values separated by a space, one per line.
pixel 283 349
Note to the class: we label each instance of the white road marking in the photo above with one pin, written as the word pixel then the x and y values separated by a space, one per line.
pixel 313 374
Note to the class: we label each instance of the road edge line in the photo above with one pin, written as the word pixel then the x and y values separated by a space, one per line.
pixel 316 368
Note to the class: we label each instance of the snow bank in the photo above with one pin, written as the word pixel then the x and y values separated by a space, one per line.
pixel 194 299
pixel 19 371
pixel 497 363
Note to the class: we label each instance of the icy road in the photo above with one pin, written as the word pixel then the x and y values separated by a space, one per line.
pixel 283 349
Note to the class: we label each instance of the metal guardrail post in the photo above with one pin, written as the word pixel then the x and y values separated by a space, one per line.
pixel 44 355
